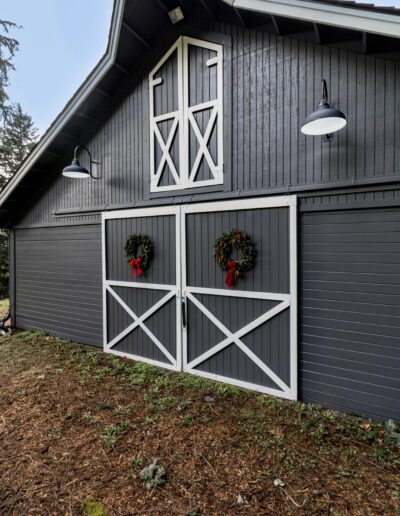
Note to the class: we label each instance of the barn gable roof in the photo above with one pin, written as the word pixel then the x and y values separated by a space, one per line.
pixel 137 23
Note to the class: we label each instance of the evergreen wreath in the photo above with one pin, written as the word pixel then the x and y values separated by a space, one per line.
pixel 139 262
pixel 223 248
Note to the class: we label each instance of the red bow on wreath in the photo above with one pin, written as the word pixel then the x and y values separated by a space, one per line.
pixel 230 277
pixel 135 265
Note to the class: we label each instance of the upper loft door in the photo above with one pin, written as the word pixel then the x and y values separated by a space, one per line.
pixel 186 117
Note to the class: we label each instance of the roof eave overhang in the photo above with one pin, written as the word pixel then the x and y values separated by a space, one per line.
pixel 326 14
pixel 87 87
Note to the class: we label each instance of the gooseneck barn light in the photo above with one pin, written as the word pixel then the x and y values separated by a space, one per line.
pixel 325 120
pixel 76 170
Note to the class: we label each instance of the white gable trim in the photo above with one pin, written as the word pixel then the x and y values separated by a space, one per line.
pixel 87 87
pixel 355 19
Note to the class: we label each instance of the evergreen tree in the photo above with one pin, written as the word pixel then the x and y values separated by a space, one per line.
pixel 17 138
pixel 8 48
pixel 17 134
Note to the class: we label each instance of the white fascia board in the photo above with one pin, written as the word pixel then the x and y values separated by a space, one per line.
pixel 326 14
pixel 73 105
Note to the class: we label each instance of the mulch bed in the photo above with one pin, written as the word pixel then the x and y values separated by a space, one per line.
pixel 78 426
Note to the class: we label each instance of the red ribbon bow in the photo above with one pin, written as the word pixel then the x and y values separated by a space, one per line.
pixel 230 277
pixel 135 265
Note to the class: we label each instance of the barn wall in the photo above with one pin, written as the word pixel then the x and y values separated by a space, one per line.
pixel 349 304
pixel 58 282
pixel 275 83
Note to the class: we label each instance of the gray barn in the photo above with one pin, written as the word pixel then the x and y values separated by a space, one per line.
pixel 195 125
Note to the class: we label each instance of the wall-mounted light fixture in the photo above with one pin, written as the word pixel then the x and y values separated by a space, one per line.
pixel 176 15
pixel 325 120
pixel 76 170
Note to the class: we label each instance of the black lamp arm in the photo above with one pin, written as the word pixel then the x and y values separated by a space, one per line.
pixel 76 150
pixel 324 91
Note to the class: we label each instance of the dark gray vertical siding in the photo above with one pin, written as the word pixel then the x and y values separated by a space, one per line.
pixel 269 229
pixel 276 81
pixel 58 281
pixel 161 231
pixel 349 310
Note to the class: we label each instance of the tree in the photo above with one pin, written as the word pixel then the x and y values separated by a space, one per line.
pixel 17 134
pixel 17 138
pixel 8 47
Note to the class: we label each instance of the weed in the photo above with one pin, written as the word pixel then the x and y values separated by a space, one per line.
pixel 149 420
pixel 183 405
pixel 56 431
pixel 162 404
pixel 122 411
pixel 153 475
pixel 92 507
pixel 137 461
pixel 89 418
pixel 113 432
pixel 188 419
pixel 271 403
pixel 223 389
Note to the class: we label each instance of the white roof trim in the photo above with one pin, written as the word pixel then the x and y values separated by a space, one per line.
pixel 87 87
pixel 348 18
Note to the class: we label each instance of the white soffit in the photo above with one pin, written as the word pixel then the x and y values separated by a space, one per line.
pixel 327 14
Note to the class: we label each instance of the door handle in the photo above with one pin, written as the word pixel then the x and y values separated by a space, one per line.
pixel 183 311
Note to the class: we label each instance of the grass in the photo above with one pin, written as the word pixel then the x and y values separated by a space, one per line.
pixel 82 432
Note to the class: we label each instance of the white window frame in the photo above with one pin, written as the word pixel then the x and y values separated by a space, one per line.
pixel 184 120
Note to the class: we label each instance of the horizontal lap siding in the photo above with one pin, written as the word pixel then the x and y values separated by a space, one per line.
pixel 58 281
pixel 350 306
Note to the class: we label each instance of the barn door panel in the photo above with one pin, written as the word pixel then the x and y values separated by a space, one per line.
pixel 245 335
pixel 141 319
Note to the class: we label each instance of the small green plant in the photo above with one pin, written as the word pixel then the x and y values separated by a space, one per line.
pixel 149 420
pixel 122 411
pixel 113 432
pixel 90 418
pixel 137 461
pixel 188 419
pixel 271 403
pixel 92 507
pixel 153 475
pixel 56 431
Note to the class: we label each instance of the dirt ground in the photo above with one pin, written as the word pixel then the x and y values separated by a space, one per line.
pixel 77 427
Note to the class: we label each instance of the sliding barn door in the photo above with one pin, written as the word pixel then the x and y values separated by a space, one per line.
pixel 245 335
pixel 181 315
pixel 141 319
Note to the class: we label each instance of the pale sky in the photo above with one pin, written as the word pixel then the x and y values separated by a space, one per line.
pixel 60 43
